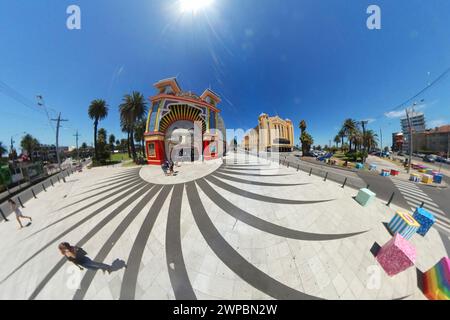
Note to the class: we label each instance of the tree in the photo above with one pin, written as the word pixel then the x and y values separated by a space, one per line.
pixel 132 109
pixel 302 126
pixel 349 127
pixel 2 150
pixel 102 152
pixel 337 140
pixel 112 140
pixel 84 145
pixel 98 110
pixel 305 138
pixel 342 136
pixel 29 144
pixel 371 139
pixel 307 142
pixel 139 130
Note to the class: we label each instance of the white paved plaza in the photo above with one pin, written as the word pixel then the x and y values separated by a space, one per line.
pixel 240 230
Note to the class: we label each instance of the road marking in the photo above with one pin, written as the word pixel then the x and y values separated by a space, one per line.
pixel 414 196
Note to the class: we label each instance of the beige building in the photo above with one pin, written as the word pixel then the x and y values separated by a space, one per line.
pixel 433 140
pixel 271 134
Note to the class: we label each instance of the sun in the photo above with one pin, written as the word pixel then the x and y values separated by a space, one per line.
pixel 193 6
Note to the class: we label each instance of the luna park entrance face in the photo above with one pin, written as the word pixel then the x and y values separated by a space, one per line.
pixel 183 143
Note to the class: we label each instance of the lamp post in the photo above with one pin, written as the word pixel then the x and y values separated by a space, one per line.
pixel 410 134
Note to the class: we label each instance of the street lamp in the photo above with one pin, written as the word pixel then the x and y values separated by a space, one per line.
pixel 410 134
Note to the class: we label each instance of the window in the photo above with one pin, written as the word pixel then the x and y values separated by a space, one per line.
pixel 212 120
pixel 151 150
pixel 153 116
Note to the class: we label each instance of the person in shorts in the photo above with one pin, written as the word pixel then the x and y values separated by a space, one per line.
pixel 19 215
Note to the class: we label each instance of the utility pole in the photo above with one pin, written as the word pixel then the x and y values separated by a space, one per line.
pixel 381 140
pixel 363 124
pixel 58 125
pixel 78 150
pixel 448 145
pixel 410 139
pixel 12 145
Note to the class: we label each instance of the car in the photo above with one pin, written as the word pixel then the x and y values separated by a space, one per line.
pixel 447 161
pixel 430 158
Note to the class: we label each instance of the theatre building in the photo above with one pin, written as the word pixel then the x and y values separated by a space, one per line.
pixel 182 126
pixel 271 134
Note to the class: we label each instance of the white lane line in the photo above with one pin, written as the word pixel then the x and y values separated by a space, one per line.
pixel 414 196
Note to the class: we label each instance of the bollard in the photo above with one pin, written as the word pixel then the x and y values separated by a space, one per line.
pixel 43 187
pixel 326 177
pixel 345 182
pixel 368 187
pixel 64 179
pixel 58 179
pixel 390 200
pixel 20 201
pixel 423 203
pixel 34 194
pixel 3 215
pixel 288 164
pixel 310 172
pixel 51 181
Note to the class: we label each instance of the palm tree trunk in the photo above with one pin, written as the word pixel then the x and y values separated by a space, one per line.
pixel 133 149
pixel 128 144
pixel 95 139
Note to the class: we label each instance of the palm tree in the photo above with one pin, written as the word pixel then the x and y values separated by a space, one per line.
pixel 98 110
pixel 2 150
pixel 307 141
pixel 112 140
pixel 302 126
pixel 132 109
pixel 29 144
pixel 342 136
pixel 139 130
pixel 337 140
pixel 349 127
pixel 371 139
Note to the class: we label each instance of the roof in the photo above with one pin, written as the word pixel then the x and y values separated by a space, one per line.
pixel 169 81
pixel 211 94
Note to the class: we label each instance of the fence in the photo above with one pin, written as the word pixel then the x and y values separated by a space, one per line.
pixel 314 170
pixel 34 191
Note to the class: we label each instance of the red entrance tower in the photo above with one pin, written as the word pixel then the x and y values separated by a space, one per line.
pixel 172 108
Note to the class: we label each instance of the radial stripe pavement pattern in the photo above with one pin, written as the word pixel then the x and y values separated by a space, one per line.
pixel 248 229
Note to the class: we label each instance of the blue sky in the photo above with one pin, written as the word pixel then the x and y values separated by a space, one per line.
pixel 301 59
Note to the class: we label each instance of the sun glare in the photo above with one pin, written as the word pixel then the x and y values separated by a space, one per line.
pixel 193 6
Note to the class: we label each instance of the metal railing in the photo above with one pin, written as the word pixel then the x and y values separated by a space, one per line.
pixel 33 191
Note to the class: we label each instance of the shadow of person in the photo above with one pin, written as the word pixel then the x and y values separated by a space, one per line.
pixel 117 265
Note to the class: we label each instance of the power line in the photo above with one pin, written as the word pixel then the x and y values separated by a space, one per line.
pixel 41 103
pixel 436 81
pixel 12 93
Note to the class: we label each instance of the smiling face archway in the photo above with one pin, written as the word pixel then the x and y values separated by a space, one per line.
pixel 173 111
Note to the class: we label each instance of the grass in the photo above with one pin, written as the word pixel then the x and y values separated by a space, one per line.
pixel 119 157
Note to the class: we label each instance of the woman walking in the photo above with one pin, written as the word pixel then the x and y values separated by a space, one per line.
pixel 79 258
pixel 19 214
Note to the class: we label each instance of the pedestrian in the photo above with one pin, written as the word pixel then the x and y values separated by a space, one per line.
pixel 18 212
pixel 171 167
pixel 79 257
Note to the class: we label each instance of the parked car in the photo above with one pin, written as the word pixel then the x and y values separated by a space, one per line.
pixel 430 158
